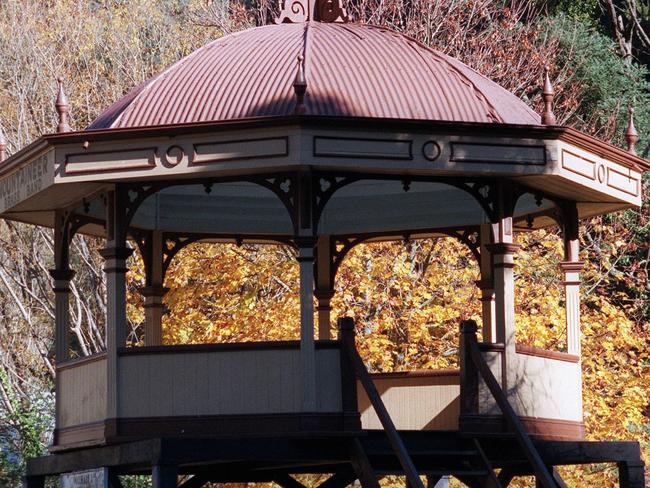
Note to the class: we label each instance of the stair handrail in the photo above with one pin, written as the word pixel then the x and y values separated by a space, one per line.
pixel 346 337
pixel 542 474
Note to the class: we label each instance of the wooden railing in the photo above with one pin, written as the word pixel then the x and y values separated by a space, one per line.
pixel 472 361
pixel 346 336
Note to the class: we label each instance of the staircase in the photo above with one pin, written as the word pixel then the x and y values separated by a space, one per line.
pixel 462 456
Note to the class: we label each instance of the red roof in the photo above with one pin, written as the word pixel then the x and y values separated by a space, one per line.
pixel 350 69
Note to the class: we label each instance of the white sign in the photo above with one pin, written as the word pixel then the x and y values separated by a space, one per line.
pixel 95 478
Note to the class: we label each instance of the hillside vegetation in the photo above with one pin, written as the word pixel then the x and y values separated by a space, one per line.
pixel 408 297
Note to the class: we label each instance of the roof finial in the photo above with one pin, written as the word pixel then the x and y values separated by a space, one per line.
pixel 631 135
pixel 62 106
pixel 3 145
pixel 300 86
pixel 548 94
pixel 296 11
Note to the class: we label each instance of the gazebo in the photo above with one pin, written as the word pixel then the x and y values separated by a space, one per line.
pixel 321 134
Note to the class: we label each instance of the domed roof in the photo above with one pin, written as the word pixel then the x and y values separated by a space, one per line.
pixel 350 70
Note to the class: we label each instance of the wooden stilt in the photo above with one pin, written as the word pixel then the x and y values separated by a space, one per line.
pixel 339 480
pixel 114 480
pixel 505 477
pixel 164 477
pixel 196 481
pixel 286 481
pixel 631 474
pixel 362 467
pixel 34 482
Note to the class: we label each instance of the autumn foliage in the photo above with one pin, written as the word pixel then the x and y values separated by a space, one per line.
pixel 407 297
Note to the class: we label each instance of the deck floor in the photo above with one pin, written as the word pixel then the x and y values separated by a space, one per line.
pixel 265 459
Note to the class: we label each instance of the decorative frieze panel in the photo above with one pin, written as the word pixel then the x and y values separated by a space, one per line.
pixel 361 148
pixel 108 161
pixel 498 153
pixel 213 152
pixel 621 181
pixel 579 165
pixel 600 174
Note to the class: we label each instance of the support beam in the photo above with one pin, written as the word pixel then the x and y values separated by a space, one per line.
pixel 164 477
pixel 307 344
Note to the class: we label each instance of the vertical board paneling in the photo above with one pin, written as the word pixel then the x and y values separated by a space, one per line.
pixel 415 403
pixel 82 393
pixel 223 382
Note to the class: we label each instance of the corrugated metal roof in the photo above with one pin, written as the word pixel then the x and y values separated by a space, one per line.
pixel 351 70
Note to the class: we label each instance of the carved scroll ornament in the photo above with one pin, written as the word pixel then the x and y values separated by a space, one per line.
pixel 297 11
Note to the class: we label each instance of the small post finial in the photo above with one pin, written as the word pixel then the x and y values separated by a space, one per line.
pixel 300 86
pixel 548 94
pixel 631 134
pixel 62 107
pixel 3 146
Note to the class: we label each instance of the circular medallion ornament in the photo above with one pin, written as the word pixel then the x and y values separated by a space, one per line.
pixel 600 173
pixel 431 150
pixel 174 156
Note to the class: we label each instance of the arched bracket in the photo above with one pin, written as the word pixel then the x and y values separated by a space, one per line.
pixel 484 192
pixel 325 186
pixel 468 236
pixel 285 187
pixel 67 225
pixel 136 194
pixel 340 247
pixel 173 244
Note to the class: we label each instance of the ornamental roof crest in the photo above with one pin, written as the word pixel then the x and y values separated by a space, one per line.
pixel 297 11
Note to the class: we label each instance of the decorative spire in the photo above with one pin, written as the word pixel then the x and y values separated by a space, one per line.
pixel 548 117
pixel 631 135
pixel 3 145
pixel 297 11
pixel 62 106
pixel 300 86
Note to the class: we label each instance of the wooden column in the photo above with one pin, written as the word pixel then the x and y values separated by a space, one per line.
pixel 486 285
pixel 307 343
pixel 115 254
pixel 502 250
pixel 154 292
pixel 61 275
pixel 469 398
pixel 324 287
pixel 349 397
pixel 571 267
pixel 62 279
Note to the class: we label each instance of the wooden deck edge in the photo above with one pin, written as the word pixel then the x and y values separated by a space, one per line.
pixel 213 426
pixel 539 428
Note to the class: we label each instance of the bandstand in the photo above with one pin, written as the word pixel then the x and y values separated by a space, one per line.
pixel 320 134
